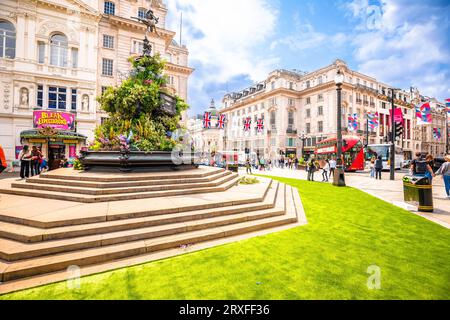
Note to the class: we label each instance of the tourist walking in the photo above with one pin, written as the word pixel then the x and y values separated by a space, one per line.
pixel 36 157
pixel 25 159
pixel 325 171
pixel 311 168
pixel 430 162
pixel 295 163
pixel 3 164
pixel 444 170
pixel 372 166
pixel 419 167
pixel 262 164
pixel 248 167
pixel 378 167
pixel 332 166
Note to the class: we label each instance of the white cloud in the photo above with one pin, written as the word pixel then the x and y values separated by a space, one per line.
pixel 223 38
pixel 407 47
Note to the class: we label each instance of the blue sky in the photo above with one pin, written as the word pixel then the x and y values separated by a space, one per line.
pixel 235 43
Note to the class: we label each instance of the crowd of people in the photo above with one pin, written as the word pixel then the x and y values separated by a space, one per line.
pixel 33 162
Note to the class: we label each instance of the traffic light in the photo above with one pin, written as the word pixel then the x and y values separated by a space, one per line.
pixel 398 130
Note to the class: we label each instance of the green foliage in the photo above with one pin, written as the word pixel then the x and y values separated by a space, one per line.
pixel 77 165
pixel 134 108
pixel 248 180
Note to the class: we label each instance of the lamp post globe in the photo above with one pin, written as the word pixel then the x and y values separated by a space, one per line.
pixel 338 179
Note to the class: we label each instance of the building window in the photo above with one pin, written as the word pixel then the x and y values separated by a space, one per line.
pixel 291 102
pixel 107 67
pixel 290 120
pixel 73 102
pixel 57 97
pixel 104 89
pixel 308 84
pixel 290 142
pixel 320 111
pixel 272 85
pixel 320 97
pixel 74 58
pixel 138 47
pixel 308 100
pixel 291 85
pixel 320 80
pixel 308 128
pixel 109 8
pixel 41 52
pixel 142 12
pixel 308 113
pixel 58 50
pixel 40 96
pixel 273 118
pixel 320 126
pixel 7 40
pixel 108 41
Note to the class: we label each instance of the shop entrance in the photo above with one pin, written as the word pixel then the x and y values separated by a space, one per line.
pixel 56 155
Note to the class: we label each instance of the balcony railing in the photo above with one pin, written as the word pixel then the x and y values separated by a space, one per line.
pixel 291 131
pixel 358 101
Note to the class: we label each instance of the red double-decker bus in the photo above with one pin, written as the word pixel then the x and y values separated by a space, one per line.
pixel 352 150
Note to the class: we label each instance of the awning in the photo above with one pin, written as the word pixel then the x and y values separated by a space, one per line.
pixel 55 134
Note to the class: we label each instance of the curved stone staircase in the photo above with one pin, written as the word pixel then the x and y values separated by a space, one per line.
pixel 66 218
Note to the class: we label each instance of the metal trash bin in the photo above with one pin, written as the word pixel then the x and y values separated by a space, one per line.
pixel 418 191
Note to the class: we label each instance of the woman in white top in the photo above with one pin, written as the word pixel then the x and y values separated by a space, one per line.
pixel 326 170
pixel 25 159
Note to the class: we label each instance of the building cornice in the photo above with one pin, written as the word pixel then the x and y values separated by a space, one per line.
pixel 165 34
pixel 180 69
pixel 85 9
pixel 266 95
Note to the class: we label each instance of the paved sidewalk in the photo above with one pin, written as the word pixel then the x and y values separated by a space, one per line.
pixel 387 190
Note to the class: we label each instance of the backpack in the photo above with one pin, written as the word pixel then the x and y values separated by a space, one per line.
pixel 420 167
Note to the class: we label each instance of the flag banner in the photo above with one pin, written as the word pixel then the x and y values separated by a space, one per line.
pixel 260 125
pixel 447 108
pixel 373 120
pixel 221 121
pixel 247 124
pixel 207 120
pixel 437 133
pixel 423 114
pixel 353 122
pixel 398 115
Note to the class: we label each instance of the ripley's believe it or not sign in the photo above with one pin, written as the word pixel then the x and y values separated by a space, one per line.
pixel 53 119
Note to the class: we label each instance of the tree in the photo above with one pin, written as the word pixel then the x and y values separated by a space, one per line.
pixel 137 120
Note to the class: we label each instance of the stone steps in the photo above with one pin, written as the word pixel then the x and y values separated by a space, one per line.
pixel 70 174
pixel 56 255
pixel 48 180
pixel 119 190
pixel 224 184
pixel 28 234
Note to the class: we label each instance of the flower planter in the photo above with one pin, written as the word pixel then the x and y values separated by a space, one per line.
pixel 136 161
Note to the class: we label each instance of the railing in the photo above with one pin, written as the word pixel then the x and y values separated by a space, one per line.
pixel 358 101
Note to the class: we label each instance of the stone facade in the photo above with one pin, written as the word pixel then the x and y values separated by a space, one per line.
pixel 55 60
pixel 295 104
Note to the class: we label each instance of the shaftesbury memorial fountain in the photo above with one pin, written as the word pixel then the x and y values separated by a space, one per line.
pixel 143 116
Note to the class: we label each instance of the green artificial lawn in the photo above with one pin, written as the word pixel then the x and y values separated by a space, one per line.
pixel 328 258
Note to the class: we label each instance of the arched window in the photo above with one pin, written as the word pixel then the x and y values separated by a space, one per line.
pixel 58 50
pixel 7 40
pixel 109 8
pixel 141 13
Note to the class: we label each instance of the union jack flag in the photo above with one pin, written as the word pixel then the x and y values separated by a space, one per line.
pixel 373 120
pixel 353 122
pixel 423 114
pixel 207 120
pixel 260 125
pixel 247 124
pixel 221 121
pixel 437 133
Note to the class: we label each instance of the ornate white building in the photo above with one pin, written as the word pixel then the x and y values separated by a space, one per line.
pixel 296 105
pixel 58 55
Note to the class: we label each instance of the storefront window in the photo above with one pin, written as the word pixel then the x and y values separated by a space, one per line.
pixel 57 97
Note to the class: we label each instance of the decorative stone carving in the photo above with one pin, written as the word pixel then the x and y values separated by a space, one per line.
pixel 24 97
pixel 85 103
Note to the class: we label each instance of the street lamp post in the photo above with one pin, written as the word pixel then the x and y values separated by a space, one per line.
pixel 303 139
pixel 338 179
pixel 392 152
